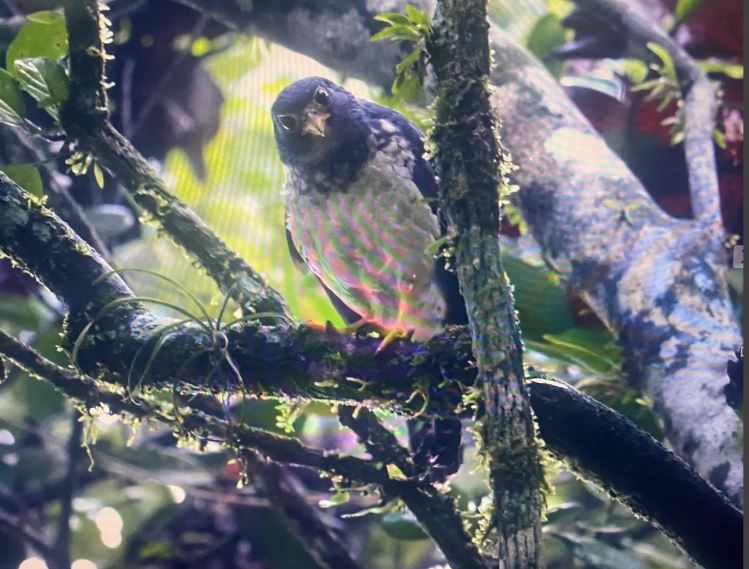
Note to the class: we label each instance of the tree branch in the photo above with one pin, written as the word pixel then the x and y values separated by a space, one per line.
pixel 435 511
pixel 637 470
pixel 84 120
pixel 469 163
pixel 334 33
pixel 657 282
pixel 699 106
pixel 74 451
pixel 675 323
pixel 317 538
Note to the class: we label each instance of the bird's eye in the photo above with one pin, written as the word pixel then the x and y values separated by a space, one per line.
pixel 287 122
pixel 322 97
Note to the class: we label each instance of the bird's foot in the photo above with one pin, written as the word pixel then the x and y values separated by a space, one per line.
pixel 393 335
pixel 361 327
pixel 349 330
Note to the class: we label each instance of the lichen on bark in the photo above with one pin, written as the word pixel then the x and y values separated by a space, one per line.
pixel 470 163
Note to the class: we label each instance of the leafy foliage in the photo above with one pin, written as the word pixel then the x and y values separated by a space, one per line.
pixel 414 27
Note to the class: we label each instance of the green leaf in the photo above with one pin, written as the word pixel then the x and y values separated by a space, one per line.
pixel 541 302
pixel 27 176
pixel 43 35
pixel 393 18
pixel 12 107
pixel 339 498
pixel 591 349
pixel 635 70
pixel 45 80
pixel 547 34
pixel 401 527
pixel 98 175
pixel 418 17
pixel 716 66
pixel 661 53
pixel 685 9
pixel 397 33
pixel 407 62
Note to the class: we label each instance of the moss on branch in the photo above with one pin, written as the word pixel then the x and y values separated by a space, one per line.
pixel 470 164
pixel 84 120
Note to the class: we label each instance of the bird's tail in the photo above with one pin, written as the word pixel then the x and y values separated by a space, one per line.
pixel 436 448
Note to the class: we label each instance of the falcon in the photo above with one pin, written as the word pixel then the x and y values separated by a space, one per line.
pixel 361 215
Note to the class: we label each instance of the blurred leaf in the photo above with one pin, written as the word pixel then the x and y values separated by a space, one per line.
pixel 600 555
pixel 667 64
pixel 593 349
pixel 340 497
pixel 727 68
pixel 402 527
pixel 27 176
pixel 685 9
pixel 45 80
pixel 615 393
pixel 547 34
pixel 22 312
pixel 12 107
pixel 541 302
pixel 98 175
pixel 43 35
pixel 636 70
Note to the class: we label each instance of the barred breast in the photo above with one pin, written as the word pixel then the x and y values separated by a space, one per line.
pixel 370 243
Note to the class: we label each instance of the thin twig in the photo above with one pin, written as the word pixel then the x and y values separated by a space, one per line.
pixel 84 119
pixel 316 537
pixel 62 538
pixel 435 511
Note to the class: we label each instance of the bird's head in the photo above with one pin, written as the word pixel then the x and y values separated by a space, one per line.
pixel 314 120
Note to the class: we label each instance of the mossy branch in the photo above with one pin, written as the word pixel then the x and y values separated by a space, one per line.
pixel 84 120
pixel 437 512
pixel 303 364
pixel 470 164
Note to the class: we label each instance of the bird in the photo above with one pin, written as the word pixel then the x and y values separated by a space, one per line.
pixel 361 215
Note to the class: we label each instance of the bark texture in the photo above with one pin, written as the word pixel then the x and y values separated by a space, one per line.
pixel 658 282
pixel 469 163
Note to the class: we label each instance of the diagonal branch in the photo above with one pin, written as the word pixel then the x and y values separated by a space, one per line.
pixel 699 105
pixel 319 540
pixel 636 469
pixel 435 511
pixel 84 120
pixel 659 283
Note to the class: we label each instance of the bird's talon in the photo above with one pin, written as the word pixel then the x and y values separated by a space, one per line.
pixel 393 336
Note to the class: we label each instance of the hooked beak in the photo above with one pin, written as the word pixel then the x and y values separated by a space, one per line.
pixel 314 122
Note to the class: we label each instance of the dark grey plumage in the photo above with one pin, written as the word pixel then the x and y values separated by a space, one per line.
pixel 360 206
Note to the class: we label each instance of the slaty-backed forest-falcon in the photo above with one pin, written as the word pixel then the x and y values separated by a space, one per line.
pixel 361 215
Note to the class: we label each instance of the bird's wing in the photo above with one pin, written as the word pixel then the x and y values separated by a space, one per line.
pixel 426 181
pixel 348 315
pixel 423 174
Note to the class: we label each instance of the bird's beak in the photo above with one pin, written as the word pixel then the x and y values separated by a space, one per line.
pixel 314 122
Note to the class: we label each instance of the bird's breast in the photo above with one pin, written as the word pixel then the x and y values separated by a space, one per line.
pixel 370 244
